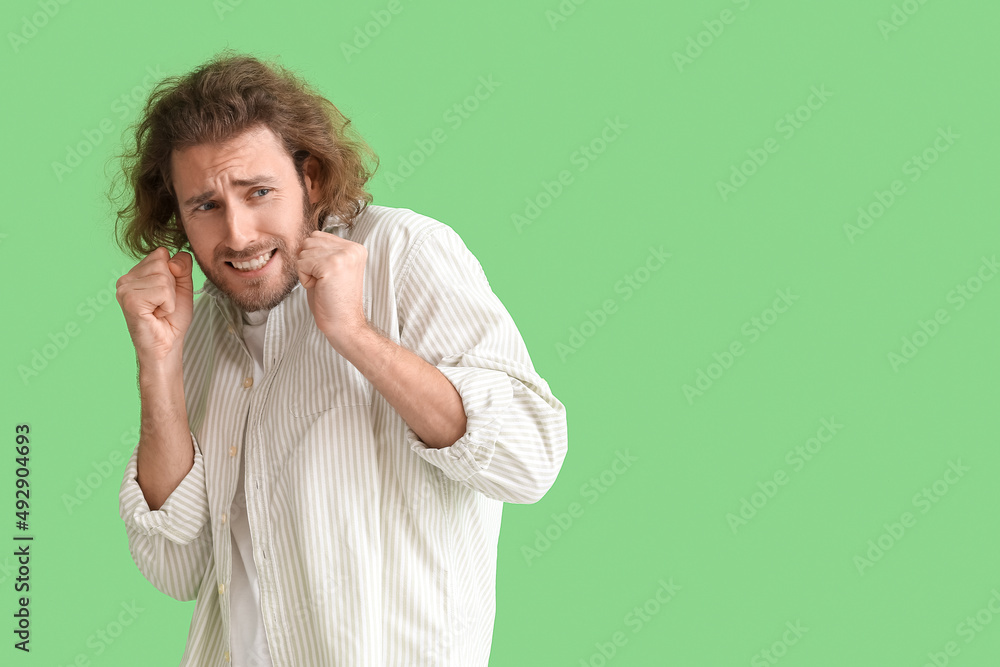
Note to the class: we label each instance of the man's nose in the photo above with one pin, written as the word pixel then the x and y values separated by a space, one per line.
pixel 239 228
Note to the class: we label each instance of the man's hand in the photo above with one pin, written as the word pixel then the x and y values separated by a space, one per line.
pixel 157 298
pixel 332 270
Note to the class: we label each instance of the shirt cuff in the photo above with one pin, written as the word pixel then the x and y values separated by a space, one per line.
pixel 486 396
pixel 182 515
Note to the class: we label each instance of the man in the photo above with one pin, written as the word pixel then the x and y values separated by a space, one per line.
pixel 328 433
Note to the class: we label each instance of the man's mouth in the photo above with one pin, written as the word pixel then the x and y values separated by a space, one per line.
pixel 255 263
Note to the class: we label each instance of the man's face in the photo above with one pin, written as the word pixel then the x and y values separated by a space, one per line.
pixel 245 213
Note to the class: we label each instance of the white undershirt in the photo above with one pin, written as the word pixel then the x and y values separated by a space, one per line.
pixel 249 641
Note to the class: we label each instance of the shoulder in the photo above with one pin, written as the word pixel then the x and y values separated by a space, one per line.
pixel 398 228
pixel 395 236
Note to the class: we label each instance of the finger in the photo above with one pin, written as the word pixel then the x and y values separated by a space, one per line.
pixel 158 256
pixel 313 255
pixel 180 266
pixel 306 279
pixel 152 264
pixel 149 295
pixel 310 246
pixel 168 302
pixel 307 271
pixel 324 239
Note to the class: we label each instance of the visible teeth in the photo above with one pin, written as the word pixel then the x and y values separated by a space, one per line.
pixel 254 263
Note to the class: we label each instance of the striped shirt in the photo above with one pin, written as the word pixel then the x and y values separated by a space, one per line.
pixel 247 634
pixel 371 548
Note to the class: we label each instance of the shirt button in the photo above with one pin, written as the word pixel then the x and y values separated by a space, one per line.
pixel 248 382
pixel 230 330
pixel 225 656
pixel 222 589
pixel 232 451
pixel 223 517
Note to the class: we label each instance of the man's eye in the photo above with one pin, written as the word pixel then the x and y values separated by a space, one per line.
pixel 264 190
pixel 202 207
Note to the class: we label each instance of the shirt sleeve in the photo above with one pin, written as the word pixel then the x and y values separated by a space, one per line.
pixel 171 545
pixel 515 439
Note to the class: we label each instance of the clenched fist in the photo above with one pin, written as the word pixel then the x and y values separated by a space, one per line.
pixel 332 270
pixel 157 297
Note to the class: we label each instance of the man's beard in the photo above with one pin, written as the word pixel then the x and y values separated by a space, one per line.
pixel 255 294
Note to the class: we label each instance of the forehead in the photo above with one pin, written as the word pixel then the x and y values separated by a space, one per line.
pixel 250 152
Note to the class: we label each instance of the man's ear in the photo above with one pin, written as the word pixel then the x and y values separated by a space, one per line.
pixel 311 178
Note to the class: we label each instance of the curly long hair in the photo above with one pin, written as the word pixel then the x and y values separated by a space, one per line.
pixel 219 100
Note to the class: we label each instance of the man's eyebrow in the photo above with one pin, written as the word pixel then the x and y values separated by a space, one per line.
pixel 259 179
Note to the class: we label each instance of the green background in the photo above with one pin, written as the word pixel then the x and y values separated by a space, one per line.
pixel 565 589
